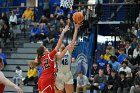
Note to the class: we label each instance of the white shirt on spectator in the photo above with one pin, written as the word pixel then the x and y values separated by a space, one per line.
pixel 136 53
pixel 137 19
pixel 19 73
pixel 13 19
pixel 127 70
pixel 82 82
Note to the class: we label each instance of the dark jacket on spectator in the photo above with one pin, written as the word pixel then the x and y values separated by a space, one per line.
pixel 123 84
pixel 137 80
pixel 113 81
pixel 94 71
pixel 98 79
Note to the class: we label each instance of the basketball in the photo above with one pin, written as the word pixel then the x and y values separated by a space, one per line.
pixel 78 17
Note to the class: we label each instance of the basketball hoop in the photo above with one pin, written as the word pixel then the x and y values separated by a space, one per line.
pixel 66 3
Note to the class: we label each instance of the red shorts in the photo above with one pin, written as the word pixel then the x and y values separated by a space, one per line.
pixel 46 85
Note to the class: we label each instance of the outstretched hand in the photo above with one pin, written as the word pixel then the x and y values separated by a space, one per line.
pixel 66 29
pixel 18 89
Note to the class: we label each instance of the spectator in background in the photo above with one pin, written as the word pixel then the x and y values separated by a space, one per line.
pixel 134 30
pixel 129 35
pixel 128 50
pixel 5 33
pixel 99 81
pixel 94 71
pixel 121 43
pixel 31 75
pixel 28 14
pixel 114 63
pixel 134 43
pixel 82 83
pixel 52 22
pixel 2 55
pixel 136 55
pixel 43 20
pixel 13 19
pixel 18 13
pixel 138 19
pixel 126 69
pixel 102 62
pixel 18 76
pixel 4 18
pixel 39 70
pixel 43 33
pixel 113 82
pixel 122 83
pixel 122 55
pixel 108 69
pixel 107 55
pixel 74 70
pixel 34 32
pixel 136 87
pixel 111 48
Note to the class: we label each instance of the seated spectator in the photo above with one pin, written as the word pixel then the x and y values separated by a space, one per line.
pixel 108 69
pixel 134 30
pixel 129 35
pixel 5 34
pixel 18 76
pixel 34 32
pixel 107 55
pixel 4 18
pixel 122 55
pixel 111 48
pixel 128 50
pixel 39 70
pixel 136 55
pixel 138 20
pixel 94 71
pixel 43 20
pixel 43 33
pixel 134 43
pixel 82 83
pixel 18 13
pixel 126 69
pixel 28 14
pixel 114 63
pixel 31 75
pixel 136 87
pixel 101 62
pixel 122 83
pixel 99 82
pixel 13 19
pixel 113 82
pixel 121 43
pixel 2 55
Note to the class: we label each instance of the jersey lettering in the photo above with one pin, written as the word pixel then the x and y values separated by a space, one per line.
pixel 46 64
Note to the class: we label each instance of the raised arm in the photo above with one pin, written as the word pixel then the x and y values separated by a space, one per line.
pixel 77 26
pixel 7 82
pixel 70 47
pixel 61 37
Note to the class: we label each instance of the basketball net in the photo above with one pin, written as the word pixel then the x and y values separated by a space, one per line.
pixel 66 3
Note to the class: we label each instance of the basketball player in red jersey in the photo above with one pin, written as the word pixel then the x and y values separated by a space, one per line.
pixel 46 60
pixel 6 82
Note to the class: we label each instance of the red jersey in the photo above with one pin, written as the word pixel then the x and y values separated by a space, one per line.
pixel 2 88
pixel 47 64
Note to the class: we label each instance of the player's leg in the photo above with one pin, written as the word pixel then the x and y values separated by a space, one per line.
pixel 69 88
pixel 69 83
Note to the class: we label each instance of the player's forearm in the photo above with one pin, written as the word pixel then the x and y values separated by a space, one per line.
pixel 59 41
pixel 75 35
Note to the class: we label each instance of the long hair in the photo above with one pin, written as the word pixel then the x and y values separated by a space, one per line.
pixel 40 52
